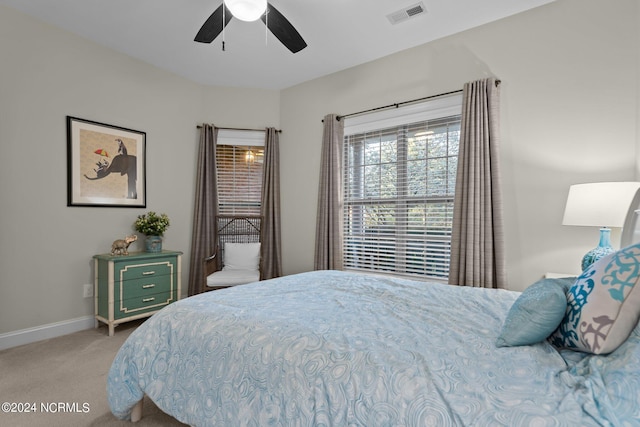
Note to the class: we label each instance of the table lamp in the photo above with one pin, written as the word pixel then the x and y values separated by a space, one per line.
pixel 601 204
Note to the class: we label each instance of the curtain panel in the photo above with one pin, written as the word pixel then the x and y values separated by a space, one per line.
pixel 203 236
pixel 271 246
pixel 477 243
pixel 329 232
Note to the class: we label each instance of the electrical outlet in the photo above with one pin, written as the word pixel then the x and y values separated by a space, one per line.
pixel 87 292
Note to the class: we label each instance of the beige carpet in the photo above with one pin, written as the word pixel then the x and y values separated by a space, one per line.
pixel 72 371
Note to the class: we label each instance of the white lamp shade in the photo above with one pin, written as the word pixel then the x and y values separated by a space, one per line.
pixel 247 10
pixel 601 204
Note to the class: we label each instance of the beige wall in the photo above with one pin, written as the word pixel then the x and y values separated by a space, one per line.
pixel 569 110
pixel 569 95
pixel 47 74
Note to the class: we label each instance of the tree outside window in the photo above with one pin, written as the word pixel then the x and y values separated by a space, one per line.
pixel 399 190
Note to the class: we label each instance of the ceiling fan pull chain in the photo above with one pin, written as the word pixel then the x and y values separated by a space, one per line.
pixel 224 19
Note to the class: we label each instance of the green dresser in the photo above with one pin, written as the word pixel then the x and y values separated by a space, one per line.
pixel 134 286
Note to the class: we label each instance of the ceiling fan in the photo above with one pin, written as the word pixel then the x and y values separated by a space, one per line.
pixel 251 11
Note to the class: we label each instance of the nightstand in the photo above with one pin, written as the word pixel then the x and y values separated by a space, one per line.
pixel 560 275
pixel 134 286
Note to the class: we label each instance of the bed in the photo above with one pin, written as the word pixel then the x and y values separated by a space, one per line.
pixel 331 348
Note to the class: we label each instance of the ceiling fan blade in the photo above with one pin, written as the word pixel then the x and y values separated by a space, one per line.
pixel 213 25
pixel 283 30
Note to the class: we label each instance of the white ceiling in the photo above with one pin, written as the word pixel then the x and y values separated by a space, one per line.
pixel 339 33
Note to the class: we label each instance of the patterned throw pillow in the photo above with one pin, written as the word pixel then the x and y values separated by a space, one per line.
pixel 603 304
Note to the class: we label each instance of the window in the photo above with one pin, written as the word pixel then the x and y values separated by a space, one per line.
pixel 399 189
pixel 239 160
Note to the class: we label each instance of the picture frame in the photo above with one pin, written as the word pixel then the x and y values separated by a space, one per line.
pixel 106 165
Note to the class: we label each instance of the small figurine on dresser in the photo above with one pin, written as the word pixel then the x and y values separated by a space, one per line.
pixel 120 246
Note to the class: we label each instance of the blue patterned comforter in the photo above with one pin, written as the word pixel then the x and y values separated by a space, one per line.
pixel 340 349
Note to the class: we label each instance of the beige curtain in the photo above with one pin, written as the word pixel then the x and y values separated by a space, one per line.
pixel 203 236
pixel 328 251
pixel 271 247
pixel 477 244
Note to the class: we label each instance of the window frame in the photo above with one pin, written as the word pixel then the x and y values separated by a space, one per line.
pixel 435 248
pixel 243 140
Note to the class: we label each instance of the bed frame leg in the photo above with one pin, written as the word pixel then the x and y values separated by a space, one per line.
pixel 136 412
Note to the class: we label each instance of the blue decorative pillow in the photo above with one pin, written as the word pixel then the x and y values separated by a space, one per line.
pixel 603 305
pixel 536 313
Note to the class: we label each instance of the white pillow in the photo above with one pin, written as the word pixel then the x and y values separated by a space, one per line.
pixel 241 256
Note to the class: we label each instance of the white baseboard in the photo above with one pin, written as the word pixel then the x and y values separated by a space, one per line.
pixel 43 332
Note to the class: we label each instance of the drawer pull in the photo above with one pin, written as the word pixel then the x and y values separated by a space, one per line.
pixel 150 285
pixel 148 299
pixel 148 273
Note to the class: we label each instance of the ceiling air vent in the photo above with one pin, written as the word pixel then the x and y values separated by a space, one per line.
pixel 406 13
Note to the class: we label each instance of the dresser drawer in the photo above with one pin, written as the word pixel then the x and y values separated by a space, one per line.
pixel 143 304
pixel 144 287
pixel 149 269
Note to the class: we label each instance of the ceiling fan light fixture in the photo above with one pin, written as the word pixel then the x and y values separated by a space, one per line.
pixel 247 10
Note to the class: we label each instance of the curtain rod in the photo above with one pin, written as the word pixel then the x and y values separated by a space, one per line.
pixel 398 104
pixel 277 130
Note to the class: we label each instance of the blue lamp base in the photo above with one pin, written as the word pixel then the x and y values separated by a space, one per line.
pixel 603 249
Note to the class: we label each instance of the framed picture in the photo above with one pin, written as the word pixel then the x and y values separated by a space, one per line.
pixel 106 165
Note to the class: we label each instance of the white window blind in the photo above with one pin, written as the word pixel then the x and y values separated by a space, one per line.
pixel 239 160
pixel 399 188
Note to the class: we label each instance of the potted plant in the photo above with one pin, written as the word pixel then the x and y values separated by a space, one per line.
pixel 153 227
